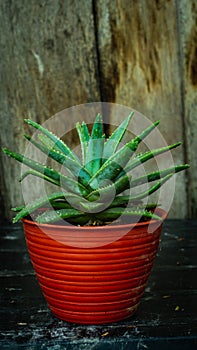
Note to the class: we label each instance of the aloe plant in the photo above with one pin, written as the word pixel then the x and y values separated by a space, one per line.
pixel 94 191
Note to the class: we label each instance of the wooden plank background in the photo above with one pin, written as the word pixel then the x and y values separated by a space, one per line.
pixel 142 54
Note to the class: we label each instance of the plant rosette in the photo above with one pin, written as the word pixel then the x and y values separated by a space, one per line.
pixel 93 241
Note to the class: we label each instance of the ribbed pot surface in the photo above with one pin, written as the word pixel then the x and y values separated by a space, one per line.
pixel 92 284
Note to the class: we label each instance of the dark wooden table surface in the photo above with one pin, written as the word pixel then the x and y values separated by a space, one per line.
pixel 166 318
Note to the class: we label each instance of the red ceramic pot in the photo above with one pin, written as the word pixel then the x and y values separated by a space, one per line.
pixel 93 275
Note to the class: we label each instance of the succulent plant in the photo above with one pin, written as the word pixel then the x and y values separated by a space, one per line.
pixel 93 193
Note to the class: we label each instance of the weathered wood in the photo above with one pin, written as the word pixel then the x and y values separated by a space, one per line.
pixel 187 21
pixel 141 54
pixel 139 64
pixel 48 63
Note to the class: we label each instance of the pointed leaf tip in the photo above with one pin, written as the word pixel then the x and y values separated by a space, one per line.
pixel 26 120
pixel 6 151
pixel 99 118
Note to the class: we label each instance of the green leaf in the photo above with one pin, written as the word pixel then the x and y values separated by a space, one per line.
pixel 85 132
pixel 127 182
pixel 55 215
pixel 157 175
pixel 70 164
pixel 84 139
pixel 83 204
pixel 119 186
pixel 48 150
pixel 57 141
pixel 120 201
pixel 97 130
pixel 94 154
pixel 115 138
pixel 123 201
pixel 123 184
pixel 79 220
pixel 114 165
pixel 36 173
pixel 147 131
pixel 152 189
pixel 144 157
pixel 72 200
pixel 26 210
pixel 48 143
pixel 115 213
pixel 58 204
pixel 62 180
pixel 16 209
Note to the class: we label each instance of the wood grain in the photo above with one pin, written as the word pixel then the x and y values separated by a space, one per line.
pixel 139 63
pixel 48 63
pixel 187 21
pixel 141 54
